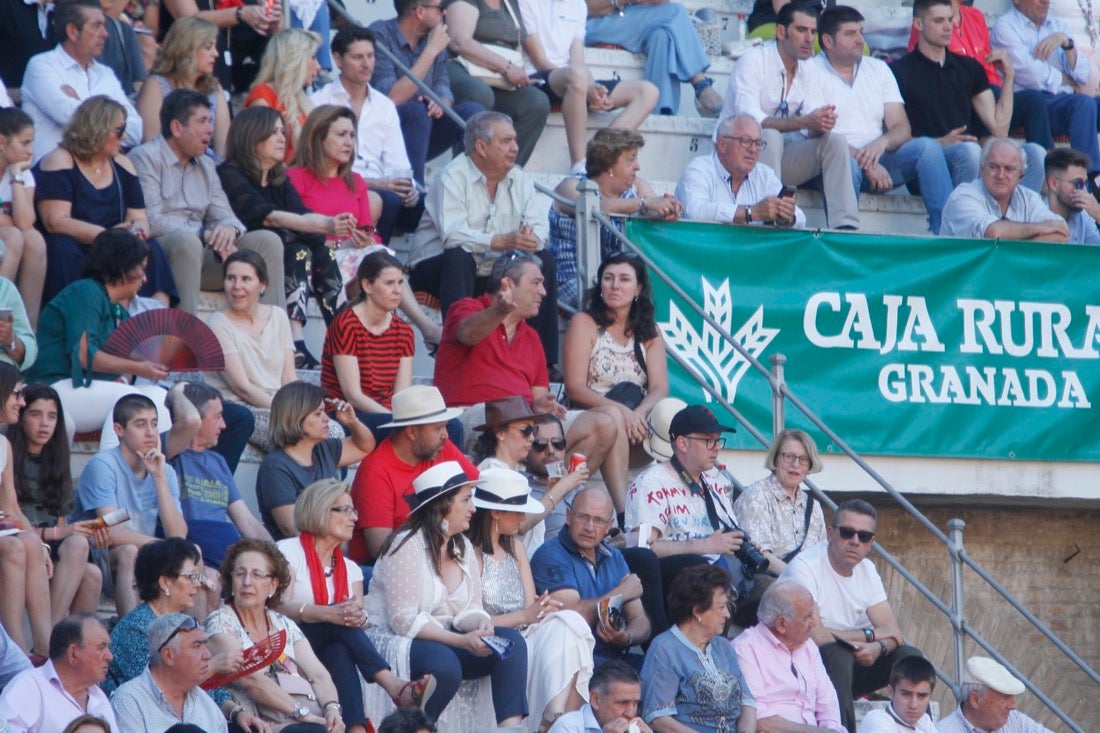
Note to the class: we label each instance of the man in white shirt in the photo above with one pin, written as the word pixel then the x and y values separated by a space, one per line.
pixel 380 155
pixel 554 55
pixel 47 698
pixel 989 702
pixel 912 681
pixel 614 692
pixel 1045 59
pixel 57 81
pixel 858 634
pixel 731 186
pixel 772 83
pixel 871 115
pixel 1069 194
pixel 996 206
pixel 480 204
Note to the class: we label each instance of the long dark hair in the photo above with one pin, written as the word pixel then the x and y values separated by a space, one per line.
pixel 251 127
pixel 426 521
pixel 482 538
pixel 486 444
pixel 55 474
pixel 640 322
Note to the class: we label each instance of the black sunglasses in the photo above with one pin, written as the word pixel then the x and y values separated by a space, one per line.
pixel 188 624
pixel 526 431
pixel 847 533
pixel 543 443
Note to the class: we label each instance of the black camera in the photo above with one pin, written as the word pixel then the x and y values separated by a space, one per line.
pixel 751 558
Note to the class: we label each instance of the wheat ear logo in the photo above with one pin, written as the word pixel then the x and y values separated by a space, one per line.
pixel 709 356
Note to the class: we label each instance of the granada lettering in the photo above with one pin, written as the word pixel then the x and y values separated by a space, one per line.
pixel 1004 387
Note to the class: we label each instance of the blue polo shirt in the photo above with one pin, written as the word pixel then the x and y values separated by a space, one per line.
pixel 558 565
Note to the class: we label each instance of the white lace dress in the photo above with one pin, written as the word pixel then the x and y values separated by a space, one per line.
pixel 405 596
pixel 558 647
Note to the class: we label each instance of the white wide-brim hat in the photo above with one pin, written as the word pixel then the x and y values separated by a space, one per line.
pixel 420 404
pixel 440 479
pixel 657 444
pixel 507 491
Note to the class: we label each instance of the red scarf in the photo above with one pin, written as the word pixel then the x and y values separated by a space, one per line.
pixel 317 573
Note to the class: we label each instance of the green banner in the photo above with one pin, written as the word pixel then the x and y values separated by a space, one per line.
pixel 904 346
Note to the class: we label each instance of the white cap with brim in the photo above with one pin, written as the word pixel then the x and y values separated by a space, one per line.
pixel 656 443
pixel 992 674
pixel 506 490
pixel 420 404
pixel 440 479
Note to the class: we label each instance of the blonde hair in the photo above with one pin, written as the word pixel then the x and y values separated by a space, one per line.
pixel 176 60
pixel 283 67
pixel 772 458
pixel 312 510
pixel 90 125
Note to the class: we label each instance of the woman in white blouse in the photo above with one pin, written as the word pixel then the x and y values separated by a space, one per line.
pixel 427 575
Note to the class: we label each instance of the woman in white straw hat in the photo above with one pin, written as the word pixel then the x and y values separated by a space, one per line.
pixel 426 577
pixel 559 642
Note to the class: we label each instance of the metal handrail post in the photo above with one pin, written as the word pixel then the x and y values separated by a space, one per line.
pixel 958 615
pixel 779 405
pixel 588 234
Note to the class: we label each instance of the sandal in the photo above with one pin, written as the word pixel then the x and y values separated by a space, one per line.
pixel 420 691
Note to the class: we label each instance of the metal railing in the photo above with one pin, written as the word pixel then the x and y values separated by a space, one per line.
pixel 959 558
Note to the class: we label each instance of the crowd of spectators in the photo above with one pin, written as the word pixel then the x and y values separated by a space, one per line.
pixel 471 574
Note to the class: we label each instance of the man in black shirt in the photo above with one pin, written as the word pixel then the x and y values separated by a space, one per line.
pixel 942 90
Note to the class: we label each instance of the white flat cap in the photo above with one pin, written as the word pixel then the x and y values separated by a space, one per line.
pixel 992 674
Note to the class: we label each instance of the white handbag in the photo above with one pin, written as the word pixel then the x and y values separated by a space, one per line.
pixel 513 56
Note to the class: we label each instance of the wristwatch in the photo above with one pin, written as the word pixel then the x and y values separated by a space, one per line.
pixel 300 712
pixel 1068 46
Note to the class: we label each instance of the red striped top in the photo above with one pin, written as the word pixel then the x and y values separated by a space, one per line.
pixel 378 356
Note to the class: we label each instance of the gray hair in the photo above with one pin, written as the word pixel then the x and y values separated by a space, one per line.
pixel 778 602
pixel 987 148
pixel 966 689
pixel 772 458
pixel 510 265
pixel 311 511
pixel 725 127
pixel 480 127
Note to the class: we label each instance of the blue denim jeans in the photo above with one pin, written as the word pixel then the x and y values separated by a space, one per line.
pixel 921 160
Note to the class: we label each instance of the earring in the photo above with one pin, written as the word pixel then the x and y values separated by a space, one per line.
pixel 263 293
pixel 167 592
pixel 698 620
pixel 445 526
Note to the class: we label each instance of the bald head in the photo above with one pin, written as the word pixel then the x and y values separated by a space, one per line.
pixel 589 519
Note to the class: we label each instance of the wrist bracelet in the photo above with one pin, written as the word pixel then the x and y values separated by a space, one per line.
pixel 332 704
pixel 882 644
pixel 748 214
pixel 240 18
pixel 232 717
pixel 302 612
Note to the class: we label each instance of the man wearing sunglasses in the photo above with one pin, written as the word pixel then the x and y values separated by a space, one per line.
pixel 857 633
pixel 996 206
pixel 1070 194
pixel 548 453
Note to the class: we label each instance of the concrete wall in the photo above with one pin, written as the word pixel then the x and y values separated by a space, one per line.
pixel 1047 558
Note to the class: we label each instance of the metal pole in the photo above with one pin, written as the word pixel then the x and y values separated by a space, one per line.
pixel 588 235
pixel 779 419
pixel 958 609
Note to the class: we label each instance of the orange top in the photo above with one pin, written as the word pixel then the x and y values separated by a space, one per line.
pixel 265 93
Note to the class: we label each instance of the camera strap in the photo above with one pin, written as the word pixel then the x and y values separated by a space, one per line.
pixel 805 528
pixel 698 487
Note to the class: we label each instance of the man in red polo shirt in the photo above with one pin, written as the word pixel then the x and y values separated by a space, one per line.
pixel 418 442
pixel 489 352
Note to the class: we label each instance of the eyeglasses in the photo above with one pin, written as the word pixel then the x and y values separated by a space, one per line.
pixel 120 131
pixel 711 443
pixel 526 431
pixel 254 575
pixel 847 533
pixel 543 443
pixel 188 624
pixel 346 509
pixel 586 519
pixel 1079 184
pixel 749 143
pixel 193 577
pixel 803 461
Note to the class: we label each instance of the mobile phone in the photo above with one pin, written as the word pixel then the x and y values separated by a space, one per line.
pixel 5 314
pixel 501 646
pixel 845 643
pixel 787 192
